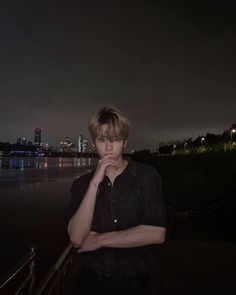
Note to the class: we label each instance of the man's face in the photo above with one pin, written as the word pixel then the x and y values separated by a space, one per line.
pixel 109 146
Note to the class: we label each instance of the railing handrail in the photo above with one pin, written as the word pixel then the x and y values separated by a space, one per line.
pixel 66 254
pixel 24 261
pixel 211 207
pixel 55 277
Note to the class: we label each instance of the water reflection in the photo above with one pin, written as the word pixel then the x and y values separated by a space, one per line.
pixel 44 162
pixel 34 196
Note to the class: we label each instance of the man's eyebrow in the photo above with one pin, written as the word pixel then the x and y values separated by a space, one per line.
pixel 102 136
pixel 112 137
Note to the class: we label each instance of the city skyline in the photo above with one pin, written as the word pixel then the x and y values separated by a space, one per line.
pixel 170 67
pixel 82 143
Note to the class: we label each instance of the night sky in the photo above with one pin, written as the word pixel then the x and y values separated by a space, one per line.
pixel 169 65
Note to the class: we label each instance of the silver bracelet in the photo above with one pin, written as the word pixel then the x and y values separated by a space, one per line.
pixel 94 184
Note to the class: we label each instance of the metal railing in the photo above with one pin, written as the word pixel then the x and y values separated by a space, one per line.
pixel 21 278
pixel 59 278
pixel 211 210
pixel 175 217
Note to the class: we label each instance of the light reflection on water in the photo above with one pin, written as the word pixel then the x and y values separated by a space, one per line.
pixel 22 172
pixel 43 162
pixel 31 182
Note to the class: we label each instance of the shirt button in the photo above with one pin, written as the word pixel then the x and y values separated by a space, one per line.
pixel 115 220
pixel 109 184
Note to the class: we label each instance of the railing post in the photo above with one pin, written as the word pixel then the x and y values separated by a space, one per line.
pixel 32 270
pixel 25 284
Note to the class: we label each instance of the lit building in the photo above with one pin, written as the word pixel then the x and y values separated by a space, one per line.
pixel 67 145
pixel 85 144
pixel 37 136
pixel 21 141
pixel 82 144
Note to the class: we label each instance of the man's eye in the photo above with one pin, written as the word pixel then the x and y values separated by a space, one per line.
pixel 115 139
pixel 118 139
pixel 100 139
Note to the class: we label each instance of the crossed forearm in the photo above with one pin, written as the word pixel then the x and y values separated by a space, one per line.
pixel 137 236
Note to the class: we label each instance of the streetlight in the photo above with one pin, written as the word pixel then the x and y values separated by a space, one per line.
pixel 231 133
pixel 174 146
pixel 202 139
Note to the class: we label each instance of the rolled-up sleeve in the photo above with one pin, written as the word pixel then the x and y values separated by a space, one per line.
pixel 153 209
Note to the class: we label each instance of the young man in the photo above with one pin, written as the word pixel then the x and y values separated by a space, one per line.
pixel 117 216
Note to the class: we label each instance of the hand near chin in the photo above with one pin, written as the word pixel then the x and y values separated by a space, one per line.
pixel 91 243
pixel 103 164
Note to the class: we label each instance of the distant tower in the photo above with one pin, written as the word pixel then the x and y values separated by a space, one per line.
pixel 37 136
pixel 80 144
pixel 85 145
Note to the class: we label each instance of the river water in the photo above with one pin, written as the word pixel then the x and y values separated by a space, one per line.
pixel 34 195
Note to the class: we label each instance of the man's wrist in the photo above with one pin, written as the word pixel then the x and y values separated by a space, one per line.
pixel 108 238
pixel 103 238
pixel 94 183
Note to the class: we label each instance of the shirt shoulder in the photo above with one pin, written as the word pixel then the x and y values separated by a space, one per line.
pixel 145 170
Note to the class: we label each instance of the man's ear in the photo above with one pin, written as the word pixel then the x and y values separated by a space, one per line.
pixel 125 143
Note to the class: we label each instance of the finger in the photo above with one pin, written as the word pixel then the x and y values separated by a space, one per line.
pixel 110 156
pixel 115 164
pixel 109 161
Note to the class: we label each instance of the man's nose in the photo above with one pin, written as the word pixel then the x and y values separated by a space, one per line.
pixel 109 145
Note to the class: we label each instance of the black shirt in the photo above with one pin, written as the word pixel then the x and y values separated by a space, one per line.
pixel 135 198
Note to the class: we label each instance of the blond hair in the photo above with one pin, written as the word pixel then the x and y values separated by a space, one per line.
pixel 109 122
